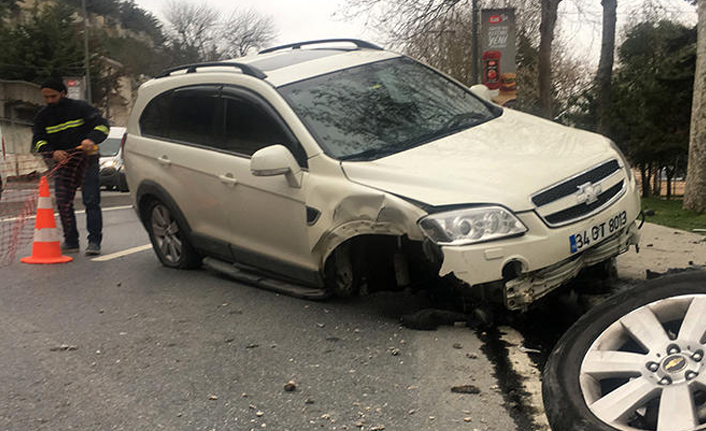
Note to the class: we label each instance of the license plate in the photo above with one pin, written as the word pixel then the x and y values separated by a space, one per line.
pixel 596 233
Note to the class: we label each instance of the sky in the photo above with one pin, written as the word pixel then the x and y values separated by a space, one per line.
pixel 300 20
pixel 296 20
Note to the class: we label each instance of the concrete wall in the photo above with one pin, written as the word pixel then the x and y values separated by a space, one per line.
pixel 17 137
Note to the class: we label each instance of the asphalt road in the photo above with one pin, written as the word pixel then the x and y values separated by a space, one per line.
pixel 124 343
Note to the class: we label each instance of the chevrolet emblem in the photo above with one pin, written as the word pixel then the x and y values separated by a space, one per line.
pixel 588 193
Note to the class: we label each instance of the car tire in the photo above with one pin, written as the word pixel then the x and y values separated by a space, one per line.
pixel 122 184
pixel 634 362
pixel 169 239
pixel 342 273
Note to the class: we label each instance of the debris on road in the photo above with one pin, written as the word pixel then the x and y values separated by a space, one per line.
pixel 466 389
pixel 213 397
pixel 524 349
pixel 63 348
pixel 290 386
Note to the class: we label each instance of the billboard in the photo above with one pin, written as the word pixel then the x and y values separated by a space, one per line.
pixel 76 87
pixel 499 50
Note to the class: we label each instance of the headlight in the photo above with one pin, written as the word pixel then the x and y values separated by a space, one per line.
pixel 471 225
pixel 109 164
pixel 624 159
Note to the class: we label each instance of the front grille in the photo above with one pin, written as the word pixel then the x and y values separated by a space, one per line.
pixel 569 187
pixel 602 177
pixel 580 210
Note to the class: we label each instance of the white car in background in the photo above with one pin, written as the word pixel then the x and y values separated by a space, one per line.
pixel 112 171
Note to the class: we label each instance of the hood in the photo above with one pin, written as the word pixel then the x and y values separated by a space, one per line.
pixel 503 161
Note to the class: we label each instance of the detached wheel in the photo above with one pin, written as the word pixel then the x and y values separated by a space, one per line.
pixel 635 362
pixel 169 239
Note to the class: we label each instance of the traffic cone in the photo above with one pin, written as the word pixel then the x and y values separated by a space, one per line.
pixel 46 247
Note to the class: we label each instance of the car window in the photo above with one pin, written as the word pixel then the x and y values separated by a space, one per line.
pixel 250 126
pixel 110 147
pixel 381 108
pixel 154 120
pixel 194 115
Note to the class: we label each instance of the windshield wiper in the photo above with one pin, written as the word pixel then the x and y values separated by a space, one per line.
pixel 463 121
pixel 376 153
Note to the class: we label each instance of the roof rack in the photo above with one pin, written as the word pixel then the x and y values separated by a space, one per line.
pixel 191 68
pixel 357 42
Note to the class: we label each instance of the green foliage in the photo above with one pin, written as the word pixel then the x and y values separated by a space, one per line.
pixel 670 213
pixel 134 18
pixel 125 13
pixel 137 56
pixel 652 92
pixel 47 44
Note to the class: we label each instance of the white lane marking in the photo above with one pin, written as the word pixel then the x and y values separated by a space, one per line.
pixel 56 214
pixel 127 252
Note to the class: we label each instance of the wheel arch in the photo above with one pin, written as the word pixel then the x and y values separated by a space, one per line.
pixel 149 191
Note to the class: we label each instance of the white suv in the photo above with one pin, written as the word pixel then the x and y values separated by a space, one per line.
pixel 329 167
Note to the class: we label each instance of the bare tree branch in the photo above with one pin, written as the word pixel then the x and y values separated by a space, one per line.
pixel 245 30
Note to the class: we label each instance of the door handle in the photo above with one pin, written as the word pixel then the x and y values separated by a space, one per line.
pixel 164 160
pixel 228 179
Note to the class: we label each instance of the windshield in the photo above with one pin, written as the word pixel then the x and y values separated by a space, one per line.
pixel 109 147
pixel 382 108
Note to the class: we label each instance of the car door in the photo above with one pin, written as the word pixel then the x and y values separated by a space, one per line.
pixel 181 128
pixel 268 218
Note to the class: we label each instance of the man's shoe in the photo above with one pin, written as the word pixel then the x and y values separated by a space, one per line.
pixel 93 249
pixel 69 248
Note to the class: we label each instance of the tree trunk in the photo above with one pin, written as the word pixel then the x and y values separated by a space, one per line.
pixel 604 77
pixel 544 66
pixel 645 183
pixel 695 193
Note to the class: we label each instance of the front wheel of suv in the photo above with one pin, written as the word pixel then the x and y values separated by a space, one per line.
pixel 635 362
pixel 169 238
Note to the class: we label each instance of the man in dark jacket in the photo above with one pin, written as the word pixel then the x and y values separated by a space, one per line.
pixel 68 131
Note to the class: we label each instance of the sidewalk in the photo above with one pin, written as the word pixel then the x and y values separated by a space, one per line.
pixel 662 248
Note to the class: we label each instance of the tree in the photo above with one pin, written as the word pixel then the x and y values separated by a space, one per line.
pixel 245 30
pixel 46 44
pixel 695 193
pixel 544 64
pixel 652 96
pixel 409 21
pixel 192 31
pixel 604 76
pixel 198 33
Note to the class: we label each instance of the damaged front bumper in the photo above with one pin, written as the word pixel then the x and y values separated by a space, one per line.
pixel 532 265
pixel 522 291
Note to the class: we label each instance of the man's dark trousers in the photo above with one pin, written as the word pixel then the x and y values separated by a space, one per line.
pixel 92 201
pixel 68 177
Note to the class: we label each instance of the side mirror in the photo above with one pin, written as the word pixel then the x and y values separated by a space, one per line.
pixel 276 160
pixel 483 92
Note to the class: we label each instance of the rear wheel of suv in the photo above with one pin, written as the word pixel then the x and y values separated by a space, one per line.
pixel 635 362
pixel 169 238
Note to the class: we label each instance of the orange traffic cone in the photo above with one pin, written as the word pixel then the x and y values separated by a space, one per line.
pixel 46 247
